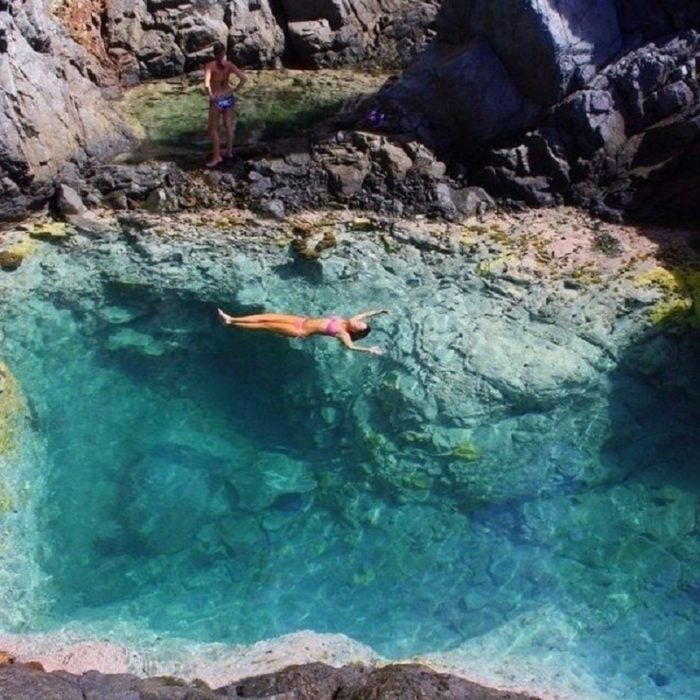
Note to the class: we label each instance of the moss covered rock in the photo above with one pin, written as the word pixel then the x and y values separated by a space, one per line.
pixel 12 411
pixel 680 288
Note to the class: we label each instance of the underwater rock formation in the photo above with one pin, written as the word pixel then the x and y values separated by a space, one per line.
pixel 523 393
pixel 18 459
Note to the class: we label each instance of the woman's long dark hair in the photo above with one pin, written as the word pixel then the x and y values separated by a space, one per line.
pixel 356 335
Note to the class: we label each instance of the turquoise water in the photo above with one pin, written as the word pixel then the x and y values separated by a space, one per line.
pixel 229 487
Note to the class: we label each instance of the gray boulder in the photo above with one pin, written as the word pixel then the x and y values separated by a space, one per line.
pixel 363 32
pixel 478 99
pixel 68 201
pixel 255 37
pixel 52 115
pixel 545 47
pixel 626 143
pixel 551 102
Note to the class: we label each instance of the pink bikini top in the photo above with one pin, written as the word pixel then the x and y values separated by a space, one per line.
pixel 333 326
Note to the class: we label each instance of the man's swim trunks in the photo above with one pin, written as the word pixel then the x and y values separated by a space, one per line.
pixel 224 103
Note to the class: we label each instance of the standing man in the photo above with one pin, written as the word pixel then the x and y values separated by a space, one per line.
pixel 222 101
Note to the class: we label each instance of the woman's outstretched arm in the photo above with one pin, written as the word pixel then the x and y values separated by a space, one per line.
pixel 369 314
pixel 346 340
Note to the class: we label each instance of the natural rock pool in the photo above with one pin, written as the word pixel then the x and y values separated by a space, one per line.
pixel 273 104
pixel 512 490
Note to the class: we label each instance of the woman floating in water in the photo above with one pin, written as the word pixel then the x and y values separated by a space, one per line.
pixel 346 330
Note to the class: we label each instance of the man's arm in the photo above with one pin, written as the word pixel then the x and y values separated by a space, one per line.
pixel 207 79
pixel 242 77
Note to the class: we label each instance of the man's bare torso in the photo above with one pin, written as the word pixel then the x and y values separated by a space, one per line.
pixel 220 75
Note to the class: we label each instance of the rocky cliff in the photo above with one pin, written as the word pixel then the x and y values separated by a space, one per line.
pixel 593 102
pixel 53 115
pixel 158 39
pixel 59 60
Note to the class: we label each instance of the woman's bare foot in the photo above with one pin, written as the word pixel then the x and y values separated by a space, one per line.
pixel 224 318
pixel 213 162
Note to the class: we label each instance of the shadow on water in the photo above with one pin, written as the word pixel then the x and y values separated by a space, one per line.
pixel 242 376
pixel 654 390
pixel 648 512
pixel 654 409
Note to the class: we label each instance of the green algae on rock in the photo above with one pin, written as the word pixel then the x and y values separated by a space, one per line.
pixel 21 581
pixel 22 246
pixel 12 412
pixel 10 260
pixel 680 301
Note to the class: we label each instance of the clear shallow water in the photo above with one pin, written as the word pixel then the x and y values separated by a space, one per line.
pixel 212 485
pixel 273 104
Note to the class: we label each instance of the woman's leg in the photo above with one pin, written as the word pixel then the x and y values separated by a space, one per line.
pixel 259 319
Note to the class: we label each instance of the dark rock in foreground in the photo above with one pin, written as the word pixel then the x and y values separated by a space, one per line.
pixel 308 682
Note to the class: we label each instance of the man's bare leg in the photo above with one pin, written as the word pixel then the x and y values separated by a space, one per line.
pixel 213 129
pixel 229 126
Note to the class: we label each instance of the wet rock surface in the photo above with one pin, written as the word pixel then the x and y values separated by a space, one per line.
pixel 310 682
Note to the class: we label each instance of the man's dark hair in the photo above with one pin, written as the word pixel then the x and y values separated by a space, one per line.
pixel 356 335
pixel 219 50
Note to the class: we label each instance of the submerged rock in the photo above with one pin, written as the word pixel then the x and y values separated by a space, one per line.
pixel 20 577
pixel 9 260
pixel 172 493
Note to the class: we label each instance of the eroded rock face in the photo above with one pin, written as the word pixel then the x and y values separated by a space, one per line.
pixel 627 142
pixel 351 33
pixel 164 39
pixel 52 115
pixel 608 89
